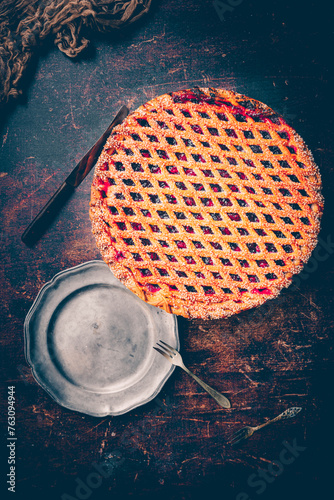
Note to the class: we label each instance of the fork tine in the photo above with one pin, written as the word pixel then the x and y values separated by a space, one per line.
pixel 239 431
pixel 167 356
pixel 234 443
pixel 166 349
pixel 236 435
pixel 174 351
pixel 236 439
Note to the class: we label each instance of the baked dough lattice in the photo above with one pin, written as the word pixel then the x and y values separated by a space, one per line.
pixel 205 202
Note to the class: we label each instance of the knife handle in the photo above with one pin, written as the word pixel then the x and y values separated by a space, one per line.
pixel 43 219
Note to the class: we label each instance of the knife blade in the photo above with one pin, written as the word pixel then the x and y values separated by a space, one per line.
pixel 43 219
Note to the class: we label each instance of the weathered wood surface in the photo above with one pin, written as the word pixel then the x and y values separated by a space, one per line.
pixel 280 356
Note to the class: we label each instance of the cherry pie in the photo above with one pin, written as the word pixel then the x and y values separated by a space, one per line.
pixel 205 203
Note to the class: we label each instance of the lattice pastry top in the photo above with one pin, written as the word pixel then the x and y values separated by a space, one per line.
pixel 205 202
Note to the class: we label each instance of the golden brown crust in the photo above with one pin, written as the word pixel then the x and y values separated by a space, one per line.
pixel 205 203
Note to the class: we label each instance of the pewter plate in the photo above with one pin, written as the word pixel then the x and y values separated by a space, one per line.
pixel 89 341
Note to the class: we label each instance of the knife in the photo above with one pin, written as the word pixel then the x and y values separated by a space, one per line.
pixel 43 219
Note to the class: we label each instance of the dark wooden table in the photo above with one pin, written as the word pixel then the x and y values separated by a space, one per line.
pixel 281 356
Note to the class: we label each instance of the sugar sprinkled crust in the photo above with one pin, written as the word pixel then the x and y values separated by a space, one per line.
pixel 205 203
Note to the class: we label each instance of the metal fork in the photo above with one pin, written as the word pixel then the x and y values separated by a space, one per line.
pixel 247 431
pixel 175 358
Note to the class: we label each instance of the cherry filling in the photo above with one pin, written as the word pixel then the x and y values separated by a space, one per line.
pixel 231 133
pixel 145 153
pixel 198 158
pixel 199 187
pixel 155 169
pixel 262 263
pixel 197 129
pixel 242 203
pixel 231 160
pixel 119 256
pixel 271 247
pixel 145 241
pixel 146 184
pixel 171 229
pixel 113 210
pixel 162 272
pixel 224 174
pixel 207 261
pixel 137 257
pixel 153 256
pixel 162 125
pixel 171 258
pixel 225 202
pixel 153 288
pixel 137 226
pixel 207 173
pixel 189 260
pixel 198 244
pixel 234 216
pixel 143 122
pixel 234 247
pixel 253 247
pixel 181 274
pixel 180 244
pixel 171 141
pixel 242 176
pixel 172 170
pixel 145 272
pixel 216 216
pixel 253 278
pixel 162 154
pixel 171 199
pixel 262 291
pixel 189 171
pixel 197 216
pixel 225 230
pixel 189 201
pixel 188 142
pixel 252 217
pixel 163 185
pixel 153 138
pixel 181 156
pixel 207 202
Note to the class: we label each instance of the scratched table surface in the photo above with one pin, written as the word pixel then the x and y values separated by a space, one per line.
pixel 280 356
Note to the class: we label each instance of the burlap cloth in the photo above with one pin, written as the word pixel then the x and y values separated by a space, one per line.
pixel 25 24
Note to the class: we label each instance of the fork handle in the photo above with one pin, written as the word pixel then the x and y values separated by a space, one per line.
pixel 221 400
pixel 289 413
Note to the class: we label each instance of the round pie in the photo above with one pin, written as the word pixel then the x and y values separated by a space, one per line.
pixel 205 203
